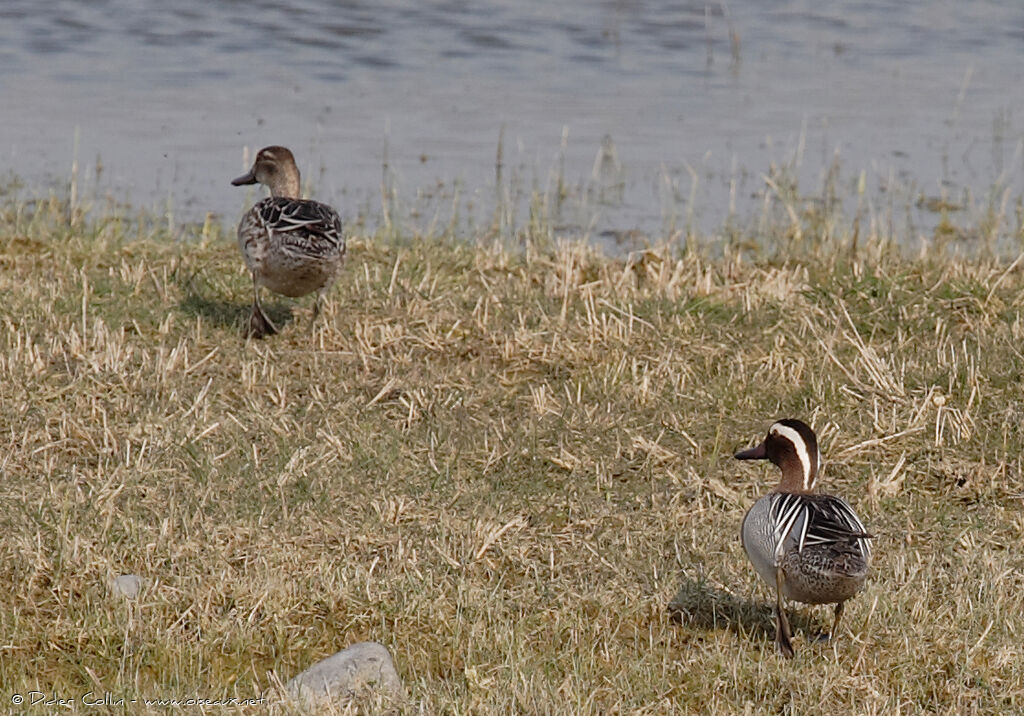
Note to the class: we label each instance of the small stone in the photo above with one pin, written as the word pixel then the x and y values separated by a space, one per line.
pixel 127 585
pixel 360 669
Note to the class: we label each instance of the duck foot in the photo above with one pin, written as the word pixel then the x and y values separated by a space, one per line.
pixel 259 325
pixel 783 635
pixel 827 635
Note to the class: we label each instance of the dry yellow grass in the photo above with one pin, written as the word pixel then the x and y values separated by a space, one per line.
pixel 504 466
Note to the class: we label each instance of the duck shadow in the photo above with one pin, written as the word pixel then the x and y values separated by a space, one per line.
pixel 227 314
pixel 701 605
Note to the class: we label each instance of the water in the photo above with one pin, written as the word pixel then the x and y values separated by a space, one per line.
pixel 650 116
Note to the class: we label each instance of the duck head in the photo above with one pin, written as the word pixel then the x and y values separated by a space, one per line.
pixel 275 168
pixel 793 447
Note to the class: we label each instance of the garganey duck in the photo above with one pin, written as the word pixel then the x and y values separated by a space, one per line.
pixel 812 548
pixel 292 246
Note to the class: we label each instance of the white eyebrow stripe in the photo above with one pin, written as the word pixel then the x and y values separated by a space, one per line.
pixel 799 445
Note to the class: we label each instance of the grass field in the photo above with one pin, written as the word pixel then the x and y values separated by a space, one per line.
pixel 505 465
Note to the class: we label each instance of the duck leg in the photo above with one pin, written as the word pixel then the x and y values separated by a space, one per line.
pixel 316 307
pixel 835 621
pixel 259 324
pixel 783 635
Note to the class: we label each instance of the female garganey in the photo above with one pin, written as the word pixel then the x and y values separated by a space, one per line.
pixel 292 246
pixel 812 548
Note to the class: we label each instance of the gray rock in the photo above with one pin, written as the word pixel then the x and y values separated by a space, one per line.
pixel 361 669
pixel 127 586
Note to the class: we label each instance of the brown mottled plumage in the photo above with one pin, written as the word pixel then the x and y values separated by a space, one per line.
pixel 292 246
pixel 812 548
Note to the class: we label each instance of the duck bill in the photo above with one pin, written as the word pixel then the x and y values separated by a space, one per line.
pixel 249 178
pixel 754 453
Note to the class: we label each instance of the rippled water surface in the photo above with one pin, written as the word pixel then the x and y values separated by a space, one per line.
pixel 639 115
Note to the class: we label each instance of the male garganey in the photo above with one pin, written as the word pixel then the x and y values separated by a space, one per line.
pixel 812 548
pixel 292 246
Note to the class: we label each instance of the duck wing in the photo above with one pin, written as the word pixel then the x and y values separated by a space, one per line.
pixel 805 520
pixel 303 227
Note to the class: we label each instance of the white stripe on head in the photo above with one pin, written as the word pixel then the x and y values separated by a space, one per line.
pixel 794 437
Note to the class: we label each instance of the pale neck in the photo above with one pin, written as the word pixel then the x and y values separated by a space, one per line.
pixel 287 187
